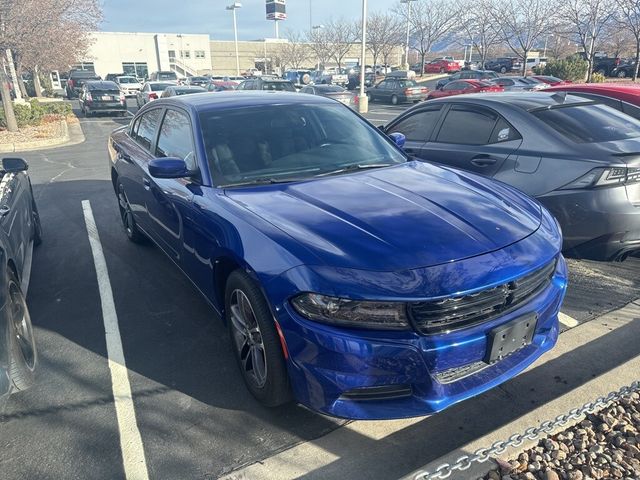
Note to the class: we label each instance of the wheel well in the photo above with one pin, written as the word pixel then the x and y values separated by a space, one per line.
pixel 224 267
pixel 12 266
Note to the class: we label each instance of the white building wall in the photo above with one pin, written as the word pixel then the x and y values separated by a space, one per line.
pixel 110 50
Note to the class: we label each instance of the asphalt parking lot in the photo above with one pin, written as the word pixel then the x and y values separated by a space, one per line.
pixel 194 415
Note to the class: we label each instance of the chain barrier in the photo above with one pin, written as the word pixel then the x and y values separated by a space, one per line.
pixel 483 454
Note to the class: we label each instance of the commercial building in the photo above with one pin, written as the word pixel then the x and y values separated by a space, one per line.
pixel 140 54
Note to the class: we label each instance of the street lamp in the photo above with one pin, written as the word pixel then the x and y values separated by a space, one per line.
pixel 316 28
pixel 233 7
pixel 406 49
pixel 363 101
pixel 545 44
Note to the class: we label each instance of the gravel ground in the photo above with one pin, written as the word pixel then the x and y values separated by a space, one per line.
pixel 52 128
pixel 604 445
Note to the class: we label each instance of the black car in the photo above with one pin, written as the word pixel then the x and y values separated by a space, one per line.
pixel 177 90
pixel 270 83
pixel 20 230
pixel 624 71
pixel 102 97
pixel 503 64
pixel 397 90
pixel 354 80
pixel 77 79
pixel 467 75
pixel 200 81
pixel 580 159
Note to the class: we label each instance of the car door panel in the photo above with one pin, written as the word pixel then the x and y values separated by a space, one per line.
pixel 16 219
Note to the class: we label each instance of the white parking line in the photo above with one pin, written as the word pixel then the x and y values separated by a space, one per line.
pixel 135 464
pixel 567 321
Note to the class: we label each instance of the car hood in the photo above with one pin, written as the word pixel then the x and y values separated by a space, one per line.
pixel 403 217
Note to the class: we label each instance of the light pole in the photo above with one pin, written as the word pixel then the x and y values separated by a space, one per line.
pixel 317 28
pixel 363 101
pixel 233 7
pixel 406 48
pixel 545 44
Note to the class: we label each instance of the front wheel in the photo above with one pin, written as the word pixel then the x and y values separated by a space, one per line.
pixel 442 70
pixel 394 99
pixel 622 74
pixel 503 70
pixel 255 341
pixel 24 355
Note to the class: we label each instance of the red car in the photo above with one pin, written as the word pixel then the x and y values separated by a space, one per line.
pixel 624 97
pixel 550 80
pixel 441 66
pixel 464 86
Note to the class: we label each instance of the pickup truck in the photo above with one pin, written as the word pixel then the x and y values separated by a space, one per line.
pixel 77 79
pixel 331 76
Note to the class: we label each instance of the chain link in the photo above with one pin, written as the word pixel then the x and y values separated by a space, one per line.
pixel 483 454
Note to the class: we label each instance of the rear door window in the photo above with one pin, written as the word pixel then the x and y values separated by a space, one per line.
pixel 145 133
pixel 467 125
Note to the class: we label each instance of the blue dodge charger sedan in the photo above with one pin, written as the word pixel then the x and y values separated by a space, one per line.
pixel 354 280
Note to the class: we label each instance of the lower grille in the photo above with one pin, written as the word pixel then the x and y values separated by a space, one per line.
pixel 467 310
pixel 384 392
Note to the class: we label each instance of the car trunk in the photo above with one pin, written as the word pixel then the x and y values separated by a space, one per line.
pixel 102 97
pixel 342 97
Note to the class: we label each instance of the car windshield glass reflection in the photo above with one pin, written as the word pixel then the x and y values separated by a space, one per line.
pixel 290 142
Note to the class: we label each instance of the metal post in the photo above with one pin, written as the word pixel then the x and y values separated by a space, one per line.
pixel 235 35
pixel 363 101
pixel 277 33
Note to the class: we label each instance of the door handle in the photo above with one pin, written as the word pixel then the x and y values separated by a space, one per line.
pixel 146 183
pixel 4 210
pixel 124 156
pixel 483 161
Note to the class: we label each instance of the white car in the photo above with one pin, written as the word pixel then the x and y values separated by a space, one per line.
pixel 129 85
pixel 151 91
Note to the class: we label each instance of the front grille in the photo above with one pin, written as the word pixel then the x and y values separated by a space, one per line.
pixel 467 310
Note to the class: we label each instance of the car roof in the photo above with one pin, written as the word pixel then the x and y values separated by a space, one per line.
pixel 102 84
pixel 242 99
pixel 523 100
pixel 630 88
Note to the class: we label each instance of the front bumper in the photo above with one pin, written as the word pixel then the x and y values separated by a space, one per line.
pixel 598 224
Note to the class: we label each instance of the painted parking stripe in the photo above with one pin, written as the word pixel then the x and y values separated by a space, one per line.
pixel 135 464
pixel 567 321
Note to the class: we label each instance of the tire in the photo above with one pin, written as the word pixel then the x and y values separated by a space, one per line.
pixel 306 78
pixel 442 70
pixel 255 341
pixel 503 70
pixel 134 234
pixel 370 97
pixel 23 352
pixel 394 100
pixel 622 74
pixel 37 226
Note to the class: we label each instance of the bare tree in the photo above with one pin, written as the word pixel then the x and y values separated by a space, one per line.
pixel 478 26
pixel 318 43
pixel 629 19
pixel 587 20
pixel 431 21
pixel 340 36
pixel 522 23
pixel 384 33
pixel 294 53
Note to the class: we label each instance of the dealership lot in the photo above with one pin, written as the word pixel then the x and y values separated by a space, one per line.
pixel 194 415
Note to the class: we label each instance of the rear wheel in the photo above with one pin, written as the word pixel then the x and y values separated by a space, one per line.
pixel 255 341
pixel 622 74
pixel 24 356
pixel 394 99
pixel 442 70
pixel 503 69
pixel 128 221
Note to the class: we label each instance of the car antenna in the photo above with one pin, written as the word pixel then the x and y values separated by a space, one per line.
pixel 559 97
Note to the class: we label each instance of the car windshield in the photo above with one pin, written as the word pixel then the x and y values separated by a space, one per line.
pixel 167 76
pixel 199 79
pixel 290 142
pixel 159 87
pixel 590 123
pixel 330 88
pixel 279 86
pixel 186 91
pixel 127 80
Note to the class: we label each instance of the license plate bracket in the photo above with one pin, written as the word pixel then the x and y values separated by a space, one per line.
pixel 510 337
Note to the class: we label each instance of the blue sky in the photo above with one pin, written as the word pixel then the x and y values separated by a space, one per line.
pixel 210 16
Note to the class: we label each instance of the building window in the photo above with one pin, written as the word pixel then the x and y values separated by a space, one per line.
pixel 199 53
pixel 185 54
pixel 172 55
pixel 84 66
pixel 136 69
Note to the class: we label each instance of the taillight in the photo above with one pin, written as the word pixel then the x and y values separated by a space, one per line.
pixel 606 177
pixel 153 96
pixel 88 98
pixel 424 90
pixel 122 97
pixel 407 91
pixel 70 83
pixel 356 100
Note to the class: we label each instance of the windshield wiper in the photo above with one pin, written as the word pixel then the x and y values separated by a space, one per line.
pixel 354 168
pixel 264 181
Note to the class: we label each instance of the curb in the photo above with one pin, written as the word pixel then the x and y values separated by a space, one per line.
pixel 72 134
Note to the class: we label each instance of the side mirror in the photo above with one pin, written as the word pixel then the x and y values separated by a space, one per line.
pixel 14 165
pixel 398 138
pixel 168 167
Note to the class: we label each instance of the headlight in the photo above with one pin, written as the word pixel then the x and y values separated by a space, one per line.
pixel 352 313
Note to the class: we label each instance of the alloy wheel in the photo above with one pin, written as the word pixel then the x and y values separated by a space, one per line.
pixel 247 339
pixel 22 326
